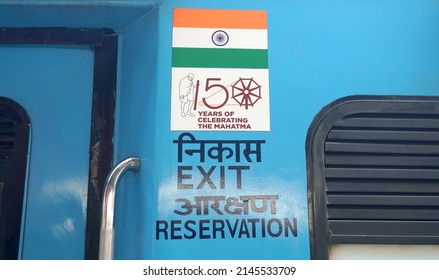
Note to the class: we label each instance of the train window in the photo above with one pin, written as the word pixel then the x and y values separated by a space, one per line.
pixel 373 178
pixel 14 136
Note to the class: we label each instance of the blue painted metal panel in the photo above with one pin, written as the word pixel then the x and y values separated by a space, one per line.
pixel 220 234
pixel 135 132
pixel 73 13
pixel 54 84
pixel 318 51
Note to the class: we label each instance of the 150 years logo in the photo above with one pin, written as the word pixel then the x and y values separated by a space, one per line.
pixel 220 70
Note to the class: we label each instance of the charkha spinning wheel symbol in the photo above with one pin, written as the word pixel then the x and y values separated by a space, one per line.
pixel 246 92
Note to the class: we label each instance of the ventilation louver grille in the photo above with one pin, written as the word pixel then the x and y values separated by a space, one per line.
pixel 6 135
pixel 382 177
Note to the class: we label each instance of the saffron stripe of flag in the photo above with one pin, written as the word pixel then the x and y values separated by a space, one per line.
pixel 205 18
pixel 220 58
pixel 237 38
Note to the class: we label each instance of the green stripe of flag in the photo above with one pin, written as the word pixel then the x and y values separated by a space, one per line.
pixel 220 58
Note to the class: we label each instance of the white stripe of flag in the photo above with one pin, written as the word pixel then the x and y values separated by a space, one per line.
pixel 202 38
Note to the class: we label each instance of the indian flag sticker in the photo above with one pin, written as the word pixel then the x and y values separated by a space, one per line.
pixel 220 70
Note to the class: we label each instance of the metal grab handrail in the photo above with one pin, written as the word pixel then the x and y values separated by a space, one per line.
pixel 106 240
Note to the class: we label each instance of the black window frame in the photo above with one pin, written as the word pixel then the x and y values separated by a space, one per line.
pixel 320 233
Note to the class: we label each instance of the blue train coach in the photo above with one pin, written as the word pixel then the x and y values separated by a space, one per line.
pixel 190 129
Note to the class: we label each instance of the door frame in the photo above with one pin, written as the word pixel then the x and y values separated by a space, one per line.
pixel 104 43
